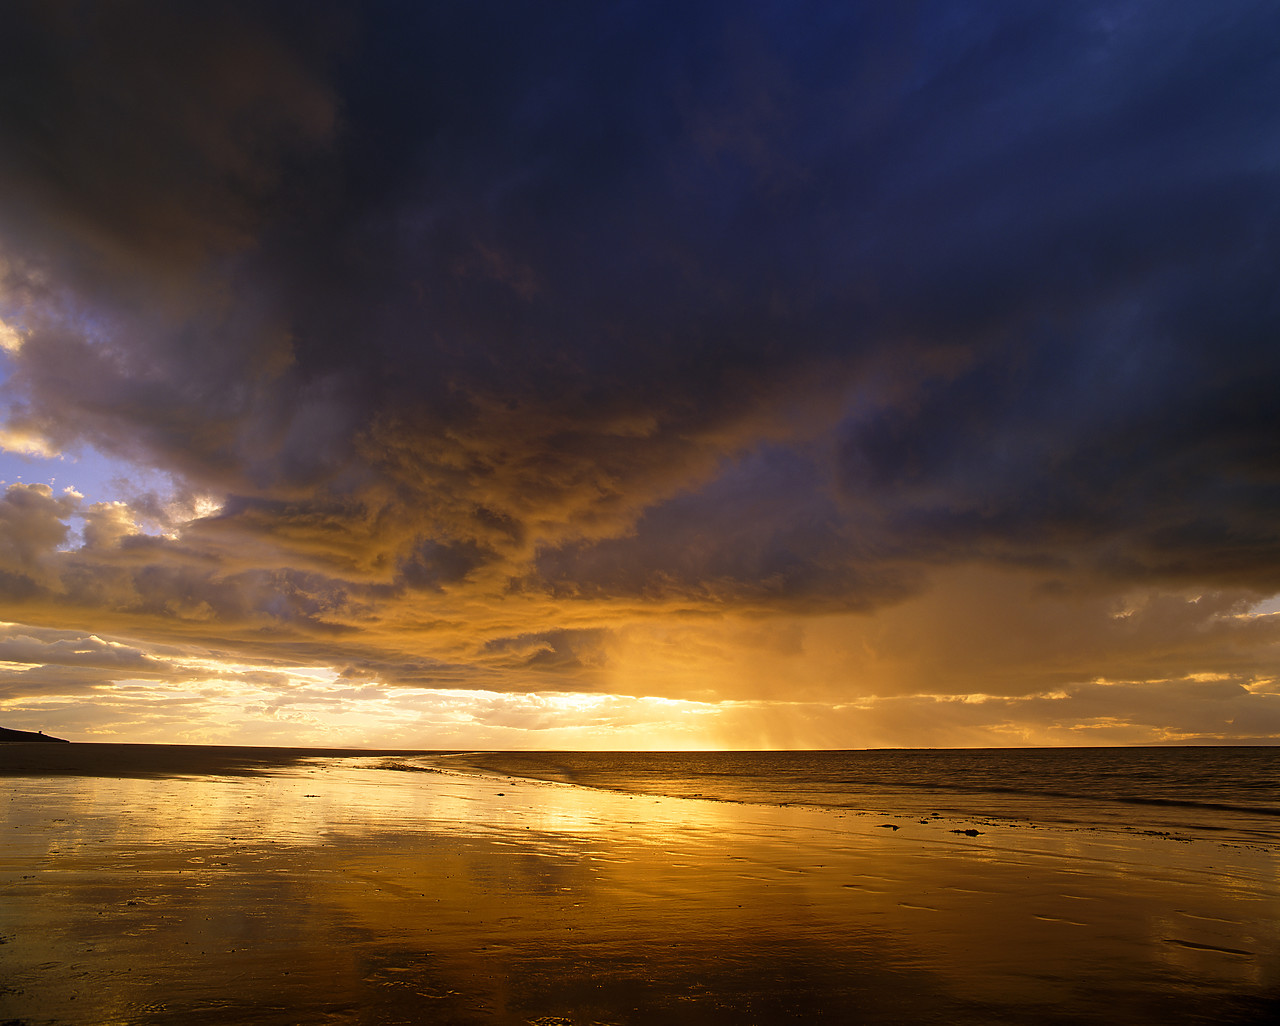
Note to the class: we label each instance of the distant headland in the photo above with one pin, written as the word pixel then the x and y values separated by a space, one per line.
pixel 27 735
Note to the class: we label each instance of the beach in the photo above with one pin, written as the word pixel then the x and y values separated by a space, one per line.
pixel 150 886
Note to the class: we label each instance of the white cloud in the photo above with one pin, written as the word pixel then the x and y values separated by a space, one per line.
pixel 10 338
pixel 26 443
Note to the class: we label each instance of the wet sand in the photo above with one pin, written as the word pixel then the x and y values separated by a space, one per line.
pixel 273 890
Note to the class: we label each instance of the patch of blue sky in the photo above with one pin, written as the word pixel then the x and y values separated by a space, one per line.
pixel 97 477
pixel 83 469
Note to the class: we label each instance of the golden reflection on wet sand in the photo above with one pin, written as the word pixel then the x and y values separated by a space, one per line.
pixel 336 891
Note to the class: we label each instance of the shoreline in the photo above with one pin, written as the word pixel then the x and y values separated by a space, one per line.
pixel 332 890
pixel 1254 827
pixel 98 759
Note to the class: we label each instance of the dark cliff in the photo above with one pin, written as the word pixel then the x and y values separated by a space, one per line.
pixel 27 735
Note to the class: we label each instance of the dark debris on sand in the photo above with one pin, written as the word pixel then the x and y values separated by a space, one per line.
pixel 405 767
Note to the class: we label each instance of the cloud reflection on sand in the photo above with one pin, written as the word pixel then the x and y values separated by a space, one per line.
pixel 336 891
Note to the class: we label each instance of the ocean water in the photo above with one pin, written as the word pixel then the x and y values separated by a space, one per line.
pixel 143 885
pixel 1229 795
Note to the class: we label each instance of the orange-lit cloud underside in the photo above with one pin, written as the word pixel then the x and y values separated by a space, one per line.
pixel 979 657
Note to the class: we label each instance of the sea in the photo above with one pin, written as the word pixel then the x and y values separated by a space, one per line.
pixel 1230 795
pixel 142 885
pixel 1226 794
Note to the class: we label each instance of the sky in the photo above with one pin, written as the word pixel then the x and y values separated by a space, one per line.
pixel 640 375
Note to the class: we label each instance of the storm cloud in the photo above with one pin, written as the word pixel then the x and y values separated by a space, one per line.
pixel 481 342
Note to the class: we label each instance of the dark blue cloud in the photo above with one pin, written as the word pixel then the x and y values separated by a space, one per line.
pixel 546 286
